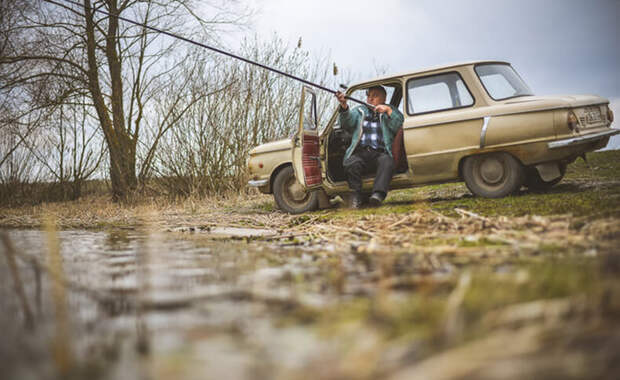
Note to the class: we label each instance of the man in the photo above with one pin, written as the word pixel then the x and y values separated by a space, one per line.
pixel 371 147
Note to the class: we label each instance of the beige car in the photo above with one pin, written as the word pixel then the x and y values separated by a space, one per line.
pixel 476 122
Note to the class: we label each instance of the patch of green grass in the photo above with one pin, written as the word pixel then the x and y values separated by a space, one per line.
pixel 417 315
pixel 268 206
pixel 343 212
pixel 482 242
pixel 600 165
pixel 464 242
pixel 421 314
pixel 571 196
pixel 545 280
pixel 564 199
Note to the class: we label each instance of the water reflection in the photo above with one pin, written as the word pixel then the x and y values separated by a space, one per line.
pixel 164 294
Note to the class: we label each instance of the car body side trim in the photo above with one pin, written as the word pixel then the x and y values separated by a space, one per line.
pixel 554 108
pixel 483 133
pixel 441 122
pixel 271 151
pixel 582 139
pixel 258 183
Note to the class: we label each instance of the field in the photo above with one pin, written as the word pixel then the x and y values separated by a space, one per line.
pixel 434 284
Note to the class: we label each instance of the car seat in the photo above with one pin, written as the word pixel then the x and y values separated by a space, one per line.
pixel 398 152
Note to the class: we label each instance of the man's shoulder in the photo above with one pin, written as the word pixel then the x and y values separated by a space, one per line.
pixel 395 109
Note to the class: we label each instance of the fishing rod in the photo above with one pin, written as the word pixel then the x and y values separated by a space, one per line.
pixel 224 52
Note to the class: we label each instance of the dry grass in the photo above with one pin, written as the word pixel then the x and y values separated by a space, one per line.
pixel 575 215
pixel 102 212
pixel 418 227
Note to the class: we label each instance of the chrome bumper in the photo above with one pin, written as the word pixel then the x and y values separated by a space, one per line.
pixel 258 183
pixel 582 139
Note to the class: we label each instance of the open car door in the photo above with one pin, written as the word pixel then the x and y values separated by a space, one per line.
pixel 306 156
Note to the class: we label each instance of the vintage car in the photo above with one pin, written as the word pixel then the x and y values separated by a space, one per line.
pixel 476 122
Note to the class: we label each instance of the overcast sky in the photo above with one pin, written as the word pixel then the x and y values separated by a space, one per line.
pixel 558 46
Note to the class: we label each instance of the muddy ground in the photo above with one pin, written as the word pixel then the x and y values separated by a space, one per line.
pixel 434 284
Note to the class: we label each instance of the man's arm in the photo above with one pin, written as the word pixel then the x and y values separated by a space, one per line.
pixel 395 121
pixel 347 120
pixel 395 117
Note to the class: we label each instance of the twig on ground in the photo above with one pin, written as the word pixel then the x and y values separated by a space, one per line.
pixel 464 213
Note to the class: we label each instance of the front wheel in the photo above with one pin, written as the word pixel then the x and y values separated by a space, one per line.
pixel 493 175
pixel 290 196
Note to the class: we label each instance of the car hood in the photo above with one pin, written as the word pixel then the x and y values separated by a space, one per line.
pixel 273 146
pixel 559 100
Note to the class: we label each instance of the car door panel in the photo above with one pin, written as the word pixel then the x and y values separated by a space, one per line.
pixel 433 151
pixel 306 148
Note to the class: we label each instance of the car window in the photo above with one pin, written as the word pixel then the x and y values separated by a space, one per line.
pixel 437 93
pixel 361 95
pixel 501 81
pixel 309 112
pixel 464 95
pixel 391 92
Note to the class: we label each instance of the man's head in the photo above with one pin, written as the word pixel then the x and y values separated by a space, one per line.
pixel 376 95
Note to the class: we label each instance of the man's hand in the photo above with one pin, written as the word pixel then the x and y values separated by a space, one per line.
pixel 382 108
pixel 342 100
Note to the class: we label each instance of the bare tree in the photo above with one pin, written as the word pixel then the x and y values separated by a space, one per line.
pixel 71 150
pixel 66 53
pixel 207 151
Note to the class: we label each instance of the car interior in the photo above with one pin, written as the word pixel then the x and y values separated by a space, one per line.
pixel 339 139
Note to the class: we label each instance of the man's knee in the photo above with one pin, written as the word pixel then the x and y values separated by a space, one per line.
pixel 352 163
pixel 385 162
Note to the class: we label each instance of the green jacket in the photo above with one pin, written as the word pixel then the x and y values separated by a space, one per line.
pixel 352 119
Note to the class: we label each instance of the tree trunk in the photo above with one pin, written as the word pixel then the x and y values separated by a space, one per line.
pixel 122 167
pixel 121 143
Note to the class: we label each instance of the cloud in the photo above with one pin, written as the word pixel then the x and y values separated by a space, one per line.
pixel 559 46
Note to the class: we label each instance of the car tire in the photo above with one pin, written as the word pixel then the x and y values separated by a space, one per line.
pixel 290 196
pixel 534 182
pixel 493 175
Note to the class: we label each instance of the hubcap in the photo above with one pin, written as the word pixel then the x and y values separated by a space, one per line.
pixel 295 190
pixel 491 170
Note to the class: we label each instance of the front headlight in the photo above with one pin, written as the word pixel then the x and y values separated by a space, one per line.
pixel 610 115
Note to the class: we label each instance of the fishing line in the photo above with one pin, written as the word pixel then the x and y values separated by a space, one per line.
pixel 224 52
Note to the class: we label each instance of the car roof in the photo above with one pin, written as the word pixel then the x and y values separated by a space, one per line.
pixel 428 69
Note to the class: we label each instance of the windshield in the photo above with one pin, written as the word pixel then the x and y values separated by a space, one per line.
pixel 501 81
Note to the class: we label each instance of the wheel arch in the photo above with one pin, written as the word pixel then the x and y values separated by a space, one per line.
pixel 274 174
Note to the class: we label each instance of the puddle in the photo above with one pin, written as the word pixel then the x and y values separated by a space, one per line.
pixel 224 233
pixel 210 303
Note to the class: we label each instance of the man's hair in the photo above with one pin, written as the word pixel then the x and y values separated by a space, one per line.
pixel 379 89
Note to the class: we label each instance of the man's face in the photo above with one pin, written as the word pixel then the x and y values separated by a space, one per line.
pixel 375 97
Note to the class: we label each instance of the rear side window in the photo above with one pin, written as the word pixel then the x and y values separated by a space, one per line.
pixel 437 93
pixel 501 81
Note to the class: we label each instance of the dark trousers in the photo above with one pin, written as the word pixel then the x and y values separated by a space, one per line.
pixel 365 160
